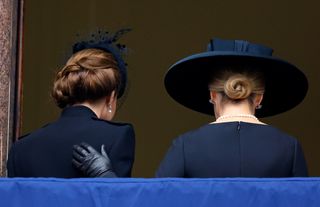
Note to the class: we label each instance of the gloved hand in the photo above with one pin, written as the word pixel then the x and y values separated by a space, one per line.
pixel 91 162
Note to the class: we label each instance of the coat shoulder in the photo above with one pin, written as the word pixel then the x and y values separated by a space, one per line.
pixel 195 134
pixel 119 124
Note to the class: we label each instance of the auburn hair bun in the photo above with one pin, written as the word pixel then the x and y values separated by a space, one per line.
pixel 89 74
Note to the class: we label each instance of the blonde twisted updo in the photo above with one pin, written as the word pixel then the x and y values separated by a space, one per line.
pixel 237 86
pixel 89 74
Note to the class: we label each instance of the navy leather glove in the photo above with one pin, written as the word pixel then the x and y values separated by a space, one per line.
pixel 91 162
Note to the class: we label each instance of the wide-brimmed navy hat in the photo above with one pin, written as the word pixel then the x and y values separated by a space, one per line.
pixel 187 80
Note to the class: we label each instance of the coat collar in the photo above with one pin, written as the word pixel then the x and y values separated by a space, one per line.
pixel 77 111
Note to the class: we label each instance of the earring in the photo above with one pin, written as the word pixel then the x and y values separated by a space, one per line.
pixel 210 101
pixel 109 109
pixel 259 106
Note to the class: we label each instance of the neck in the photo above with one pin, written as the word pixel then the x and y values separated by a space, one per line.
pixel 237 112
pixel 233 109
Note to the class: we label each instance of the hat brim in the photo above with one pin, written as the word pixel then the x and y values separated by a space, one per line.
pixel 187 81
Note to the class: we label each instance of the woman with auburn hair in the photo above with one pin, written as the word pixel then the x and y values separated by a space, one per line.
pixel 87 89
pixel 232 81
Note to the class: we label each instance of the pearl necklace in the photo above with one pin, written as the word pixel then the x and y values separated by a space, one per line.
pixel 237 115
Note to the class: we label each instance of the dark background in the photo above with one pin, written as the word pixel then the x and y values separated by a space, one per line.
pixel 163 32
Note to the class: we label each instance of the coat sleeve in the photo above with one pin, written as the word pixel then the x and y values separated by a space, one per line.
pixel 122 152
pixel 173 163
pixel 10 163
pixel 299 163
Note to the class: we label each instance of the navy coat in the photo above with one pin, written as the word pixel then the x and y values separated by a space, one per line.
pixel 234 149
pixel 47 152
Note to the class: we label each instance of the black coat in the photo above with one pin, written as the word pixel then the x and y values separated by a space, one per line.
pixel 47 152
pixel 234 149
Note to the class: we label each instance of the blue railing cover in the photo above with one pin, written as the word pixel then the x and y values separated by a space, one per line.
pixel 139 192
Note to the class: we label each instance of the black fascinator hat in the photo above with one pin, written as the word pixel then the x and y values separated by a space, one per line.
pixel 108 42
pixel 187 80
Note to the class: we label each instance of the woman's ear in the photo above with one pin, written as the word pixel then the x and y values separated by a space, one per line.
pixel 213 97
pixel 111 102
pixel 258 99
pixel 112 98
pixel 110 106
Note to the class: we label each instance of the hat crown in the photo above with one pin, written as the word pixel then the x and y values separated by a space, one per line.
pixel 238 46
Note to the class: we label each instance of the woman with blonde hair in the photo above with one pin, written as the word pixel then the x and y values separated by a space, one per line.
pixel 237 82
pixel 86 89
